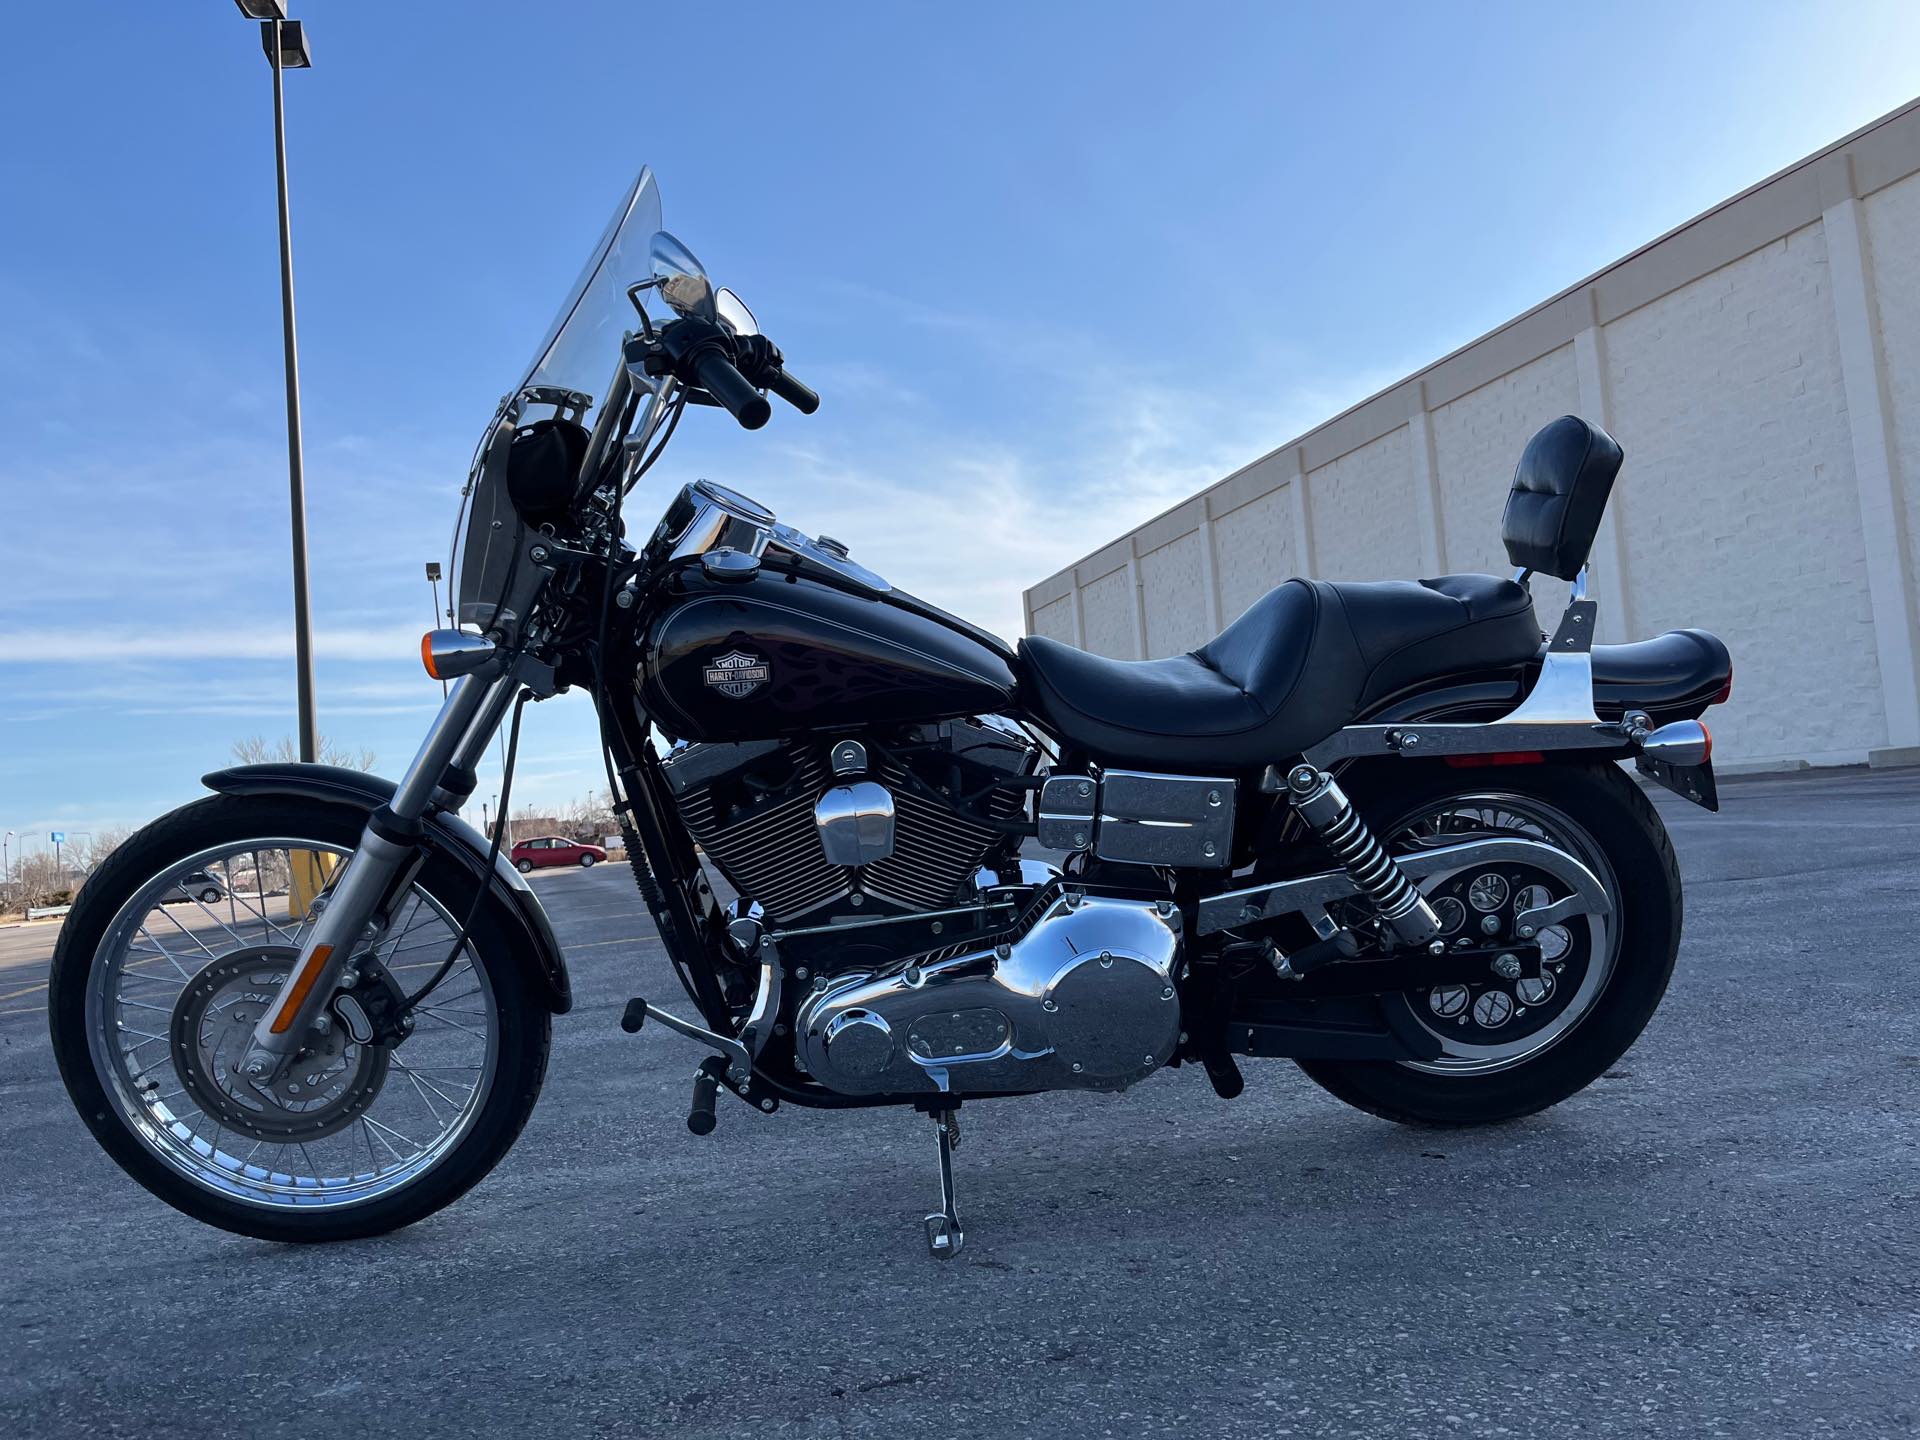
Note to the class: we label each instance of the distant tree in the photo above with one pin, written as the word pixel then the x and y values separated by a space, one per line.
pixel 590 818
pixel 254 750
pixel 98 846
pixel 40 880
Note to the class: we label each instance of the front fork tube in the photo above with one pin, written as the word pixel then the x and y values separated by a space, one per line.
pixel 353 912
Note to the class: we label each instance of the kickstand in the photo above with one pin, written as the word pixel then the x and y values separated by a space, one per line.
pixel 944 1235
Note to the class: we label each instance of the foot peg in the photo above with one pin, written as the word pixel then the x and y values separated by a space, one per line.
pixel 944 1235
pixel 1341 945
pixel 706 1091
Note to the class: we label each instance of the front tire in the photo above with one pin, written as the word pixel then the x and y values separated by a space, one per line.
pixel 525 867
pixel 1596 808
pixel 587 862
pixel 204 1144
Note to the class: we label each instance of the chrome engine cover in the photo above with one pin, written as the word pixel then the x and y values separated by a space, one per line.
pixel 1084 1000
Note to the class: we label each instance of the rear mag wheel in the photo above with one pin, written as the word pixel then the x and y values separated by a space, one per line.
pixel 1511 1046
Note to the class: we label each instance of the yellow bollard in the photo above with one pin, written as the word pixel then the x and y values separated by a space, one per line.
pixel 312 869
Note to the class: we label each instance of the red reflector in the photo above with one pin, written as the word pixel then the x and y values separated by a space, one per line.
pixel 1726 690
pixel 1502 757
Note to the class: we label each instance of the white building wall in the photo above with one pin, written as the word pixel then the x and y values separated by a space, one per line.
pixel 1738 504
pixel 1363 514
pixel 1477 439
pixel 1893 238
pixel 1761 368
pixel 1255 543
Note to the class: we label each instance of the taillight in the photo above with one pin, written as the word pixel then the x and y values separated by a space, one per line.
pixel 1726 690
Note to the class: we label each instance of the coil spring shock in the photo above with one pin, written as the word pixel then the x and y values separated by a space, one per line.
pixel 1325 807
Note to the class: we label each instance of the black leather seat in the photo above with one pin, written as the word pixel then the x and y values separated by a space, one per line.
pixel 1303 661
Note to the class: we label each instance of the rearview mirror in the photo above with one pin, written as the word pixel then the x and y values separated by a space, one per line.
pixel 734 313
pixel 683 280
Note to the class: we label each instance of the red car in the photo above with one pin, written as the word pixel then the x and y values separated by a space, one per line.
pixel 554 850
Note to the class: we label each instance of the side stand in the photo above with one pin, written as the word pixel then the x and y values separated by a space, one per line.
pixel 944 1235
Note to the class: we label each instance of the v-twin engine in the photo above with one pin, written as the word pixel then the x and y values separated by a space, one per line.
pixel 1084 999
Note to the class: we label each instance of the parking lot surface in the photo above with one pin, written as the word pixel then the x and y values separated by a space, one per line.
pixel 1720 1238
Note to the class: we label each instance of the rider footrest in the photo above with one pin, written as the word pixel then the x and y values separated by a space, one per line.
pixel 635 1016
pixel 706 1091
pixel 1341 945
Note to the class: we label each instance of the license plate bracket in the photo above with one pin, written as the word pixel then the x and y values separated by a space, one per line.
pixel 1689 782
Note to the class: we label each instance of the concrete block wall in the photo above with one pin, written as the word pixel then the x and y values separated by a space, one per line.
pixel 1761 367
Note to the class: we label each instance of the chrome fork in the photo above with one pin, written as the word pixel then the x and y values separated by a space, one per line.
pixel 471 713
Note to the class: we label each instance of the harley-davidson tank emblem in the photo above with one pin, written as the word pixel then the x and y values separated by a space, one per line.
pixel 737 674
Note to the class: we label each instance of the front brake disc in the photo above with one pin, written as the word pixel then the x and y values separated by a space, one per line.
pixel 323 1088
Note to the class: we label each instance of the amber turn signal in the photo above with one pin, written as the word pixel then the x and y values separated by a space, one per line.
pixel 451 653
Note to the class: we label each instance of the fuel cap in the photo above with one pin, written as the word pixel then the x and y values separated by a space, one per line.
pixel 729 564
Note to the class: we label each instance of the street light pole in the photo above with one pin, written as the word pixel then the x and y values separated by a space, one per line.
pixel 285 42
pixel 433 579
pixel 296 477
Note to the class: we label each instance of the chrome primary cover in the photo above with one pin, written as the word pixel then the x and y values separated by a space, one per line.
pixel 1084 1000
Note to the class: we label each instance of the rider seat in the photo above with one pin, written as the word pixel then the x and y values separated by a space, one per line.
pixel 1306 659
pixel 1311 655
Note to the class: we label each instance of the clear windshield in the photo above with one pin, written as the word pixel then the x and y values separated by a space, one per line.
pixel 583 343
pixel 578 355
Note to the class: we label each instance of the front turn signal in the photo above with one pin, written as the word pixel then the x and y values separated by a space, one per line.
pixel 451 653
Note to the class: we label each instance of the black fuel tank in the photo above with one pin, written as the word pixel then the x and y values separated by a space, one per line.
pixel 781 654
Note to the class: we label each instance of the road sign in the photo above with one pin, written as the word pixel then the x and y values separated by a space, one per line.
pixel 58 837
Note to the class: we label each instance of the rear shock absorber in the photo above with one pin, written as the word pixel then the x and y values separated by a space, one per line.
pixel 1325 807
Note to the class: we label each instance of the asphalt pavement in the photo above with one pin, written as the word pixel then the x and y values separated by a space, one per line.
pixel 1720 1238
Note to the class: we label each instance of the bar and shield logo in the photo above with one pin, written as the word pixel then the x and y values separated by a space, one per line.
pixel 737 674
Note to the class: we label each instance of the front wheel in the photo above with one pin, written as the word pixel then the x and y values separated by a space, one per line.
pixel 152 1008
pixel 587 862
pixel 1511 1048
pixel 525 867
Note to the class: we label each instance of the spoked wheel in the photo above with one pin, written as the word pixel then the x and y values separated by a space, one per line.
pixel 152 1009
pixel 1513 1042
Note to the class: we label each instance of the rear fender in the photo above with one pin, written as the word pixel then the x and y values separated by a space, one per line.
pixel 445 833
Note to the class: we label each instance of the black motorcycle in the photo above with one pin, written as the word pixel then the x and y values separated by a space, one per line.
pixel 1378 829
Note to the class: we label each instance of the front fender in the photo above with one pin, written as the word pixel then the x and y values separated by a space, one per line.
pixel 445 832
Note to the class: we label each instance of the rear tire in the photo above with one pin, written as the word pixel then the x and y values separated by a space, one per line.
pixel 1622 822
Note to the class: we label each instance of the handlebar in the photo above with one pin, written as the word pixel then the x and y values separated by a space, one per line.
pixel 730 369
pixel 791 390
pixel 719 378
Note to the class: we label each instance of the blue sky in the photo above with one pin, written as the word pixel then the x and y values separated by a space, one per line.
pixel 1052 267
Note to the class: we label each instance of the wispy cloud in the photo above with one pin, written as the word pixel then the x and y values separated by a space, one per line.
pixel 200 641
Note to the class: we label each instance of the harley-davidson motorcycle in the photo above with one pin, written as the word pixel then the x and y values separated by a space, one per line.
pixel 1379 829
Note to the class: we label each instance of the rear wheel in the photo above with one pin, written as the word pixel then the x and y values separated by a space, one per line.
pixel 1511 1047
pixel 152 1008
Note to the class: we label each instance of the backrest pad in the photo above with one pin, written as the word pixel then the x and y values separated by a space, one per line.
pixel 1560 490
